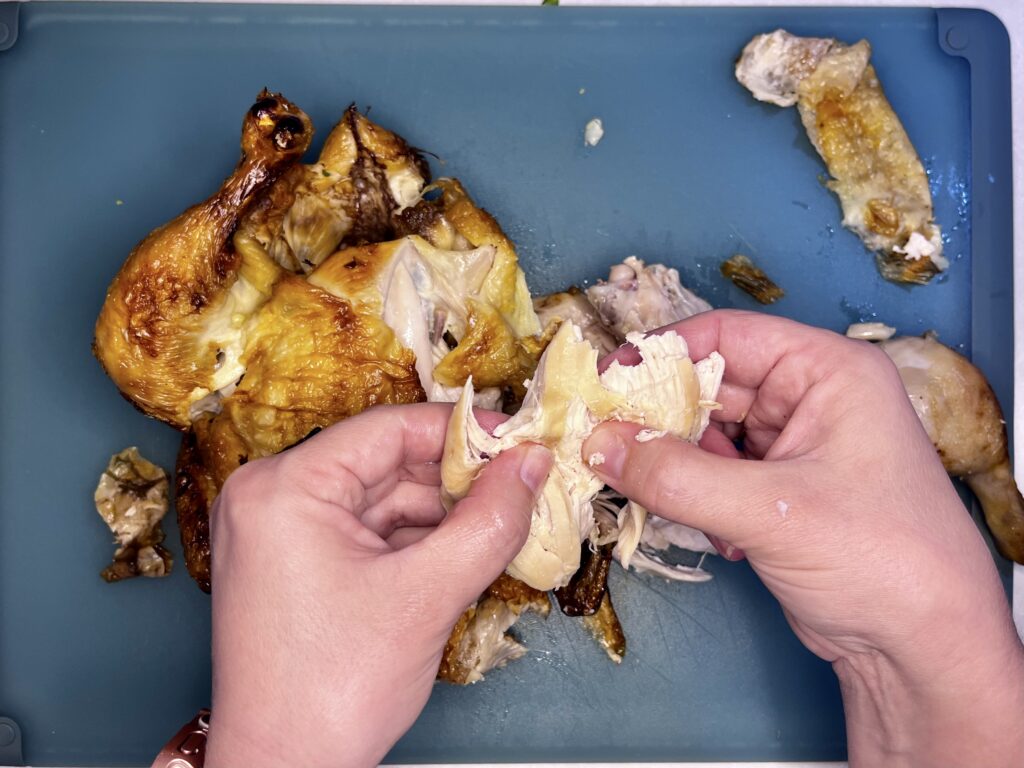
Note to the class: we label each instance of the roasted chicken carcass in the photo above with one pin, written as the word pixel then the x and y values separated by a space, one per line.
pixel 299 295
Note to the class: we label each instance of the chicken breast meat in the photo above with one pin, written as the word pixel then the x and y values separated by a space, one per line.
pixel 666 392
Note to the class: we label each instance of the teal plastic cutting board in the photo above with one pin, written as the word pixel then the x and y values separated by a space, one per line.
pixel 115 117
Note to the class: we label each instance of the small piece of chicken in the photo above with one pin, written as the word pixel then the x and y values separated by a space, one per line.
pixel 567 398
pixel 960 412
pixel 751 279
pixel 573 306
pixel 875 169
pixel 638 298
pixel 604 625
pixel 131 497
pixel 480 640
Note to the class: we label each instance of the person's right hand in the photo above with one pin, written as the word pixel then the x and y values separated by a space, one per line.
pixel 843 509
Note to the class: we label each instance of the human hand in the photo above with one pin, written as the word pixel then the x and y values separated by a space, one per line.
pixel 845 512
pixel 337 580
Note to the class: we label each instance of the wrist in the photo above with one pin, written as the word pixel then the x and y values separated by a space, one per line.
pixel 255 737
pixel 924 710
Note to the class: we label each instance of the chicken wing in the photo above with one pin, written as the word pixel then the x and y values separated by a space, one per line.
pixel 365 177
pixel 875 169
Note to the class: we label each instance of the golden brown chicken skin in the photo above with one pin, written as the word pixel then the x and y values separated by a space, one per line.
pixel 149 335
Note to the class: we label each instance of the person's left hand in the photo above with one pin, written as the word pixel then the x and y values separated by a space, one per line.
pixel 337 580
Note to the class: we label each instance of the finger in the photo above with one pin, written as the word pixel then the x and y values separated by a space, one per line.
pixel 752 343
pixel 732 430
pixel 733 499
pixel 342 461
pixel 717 442
pixel 489 419
pixel 406 537
pixel 424 474
pixel 725 549
pixel 736 402
pixel 720 444
pixel 626 355
pixel 408 504
pixel 486 529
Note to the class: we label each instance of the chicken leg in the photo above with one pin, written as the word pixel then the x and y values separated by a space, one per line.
pixel 960 412
pixel 154 336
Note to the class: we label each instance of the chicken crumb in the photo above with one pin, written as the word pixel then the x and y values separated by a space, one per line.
pixel 782 506
pixel 646 435
pixel 593 133
pixel 596 459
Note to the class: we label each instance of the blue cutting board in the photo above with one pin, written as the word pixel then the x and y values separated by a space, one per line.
pixel 115 117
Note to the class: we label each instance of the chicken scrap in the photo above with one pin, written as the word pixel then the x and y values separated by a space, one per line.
pixel 748 277
pixel 875 169
pixel 131 497
pixel 639 298
pixel 480 640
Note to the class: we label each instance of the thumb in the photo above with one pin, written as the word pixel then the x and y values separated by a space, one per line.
pixel 729 498
pixel 487 528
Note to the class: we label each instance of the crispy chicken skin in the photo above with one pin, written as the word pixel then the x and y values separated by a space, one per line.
pixel 194 492
pixel 149 335
pixel 311 359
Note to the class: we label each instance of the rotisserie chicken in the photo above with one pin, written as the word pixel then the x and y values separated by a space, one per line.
pixel 299 295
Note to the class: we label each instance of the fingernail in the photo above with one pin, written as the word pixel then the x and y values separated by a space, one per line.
pixel 725 549
pixel 535 467
pixel 606 453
